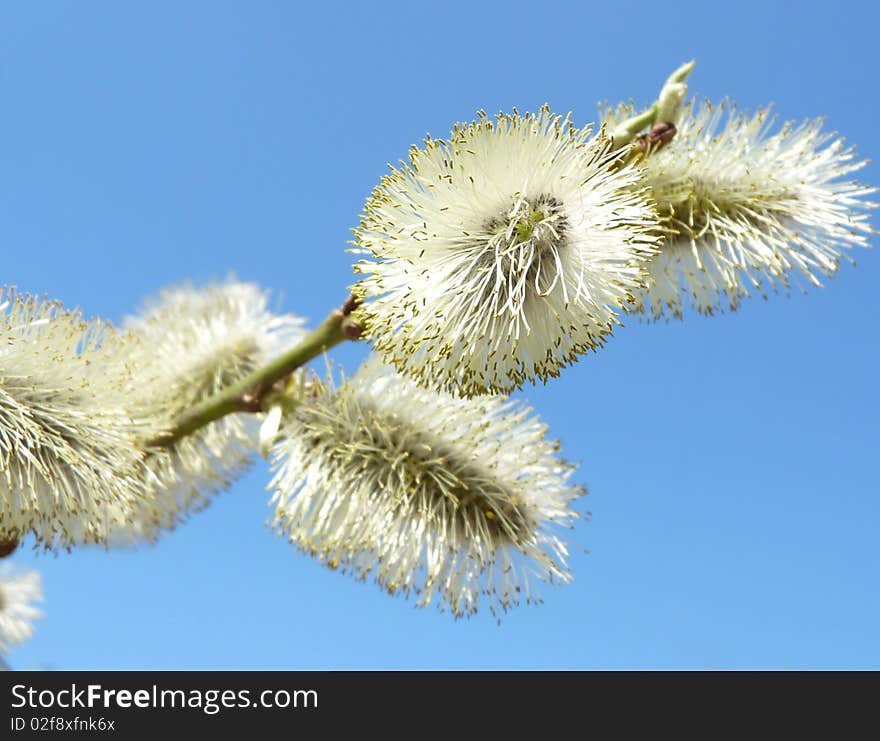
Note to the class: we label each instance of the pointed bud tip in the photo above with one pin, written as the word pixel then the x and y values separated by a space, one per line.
pixel 681 74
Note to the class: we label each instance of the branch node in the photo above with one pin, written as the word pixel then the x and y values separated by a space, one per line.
pixel 252 402
pixel 351 328
pixel 351 303
pixel 658 137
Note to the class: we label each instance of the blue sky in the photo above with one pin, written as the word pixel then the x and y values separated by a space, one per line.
pixel 732 461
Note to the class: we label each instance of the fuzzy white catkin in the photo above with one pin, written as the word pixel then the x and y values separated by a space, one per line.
pixel 19 591
pixel 68 444
pixel 187 345
pixel 747 207
pixel 500 255
pixel 452 500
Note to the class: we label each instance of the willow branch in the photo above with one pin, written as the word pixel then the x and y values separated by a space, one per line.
pixel 662 115
pixel 627 130
pixel 247 394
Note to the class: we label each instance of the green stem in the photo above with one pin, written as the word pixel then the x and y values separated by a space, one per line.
pixel 247 394
pixel 664 110
pixel 627 130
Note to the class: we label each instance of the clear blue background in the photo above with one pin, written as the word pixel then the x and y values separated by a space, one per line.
pixel 732 461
